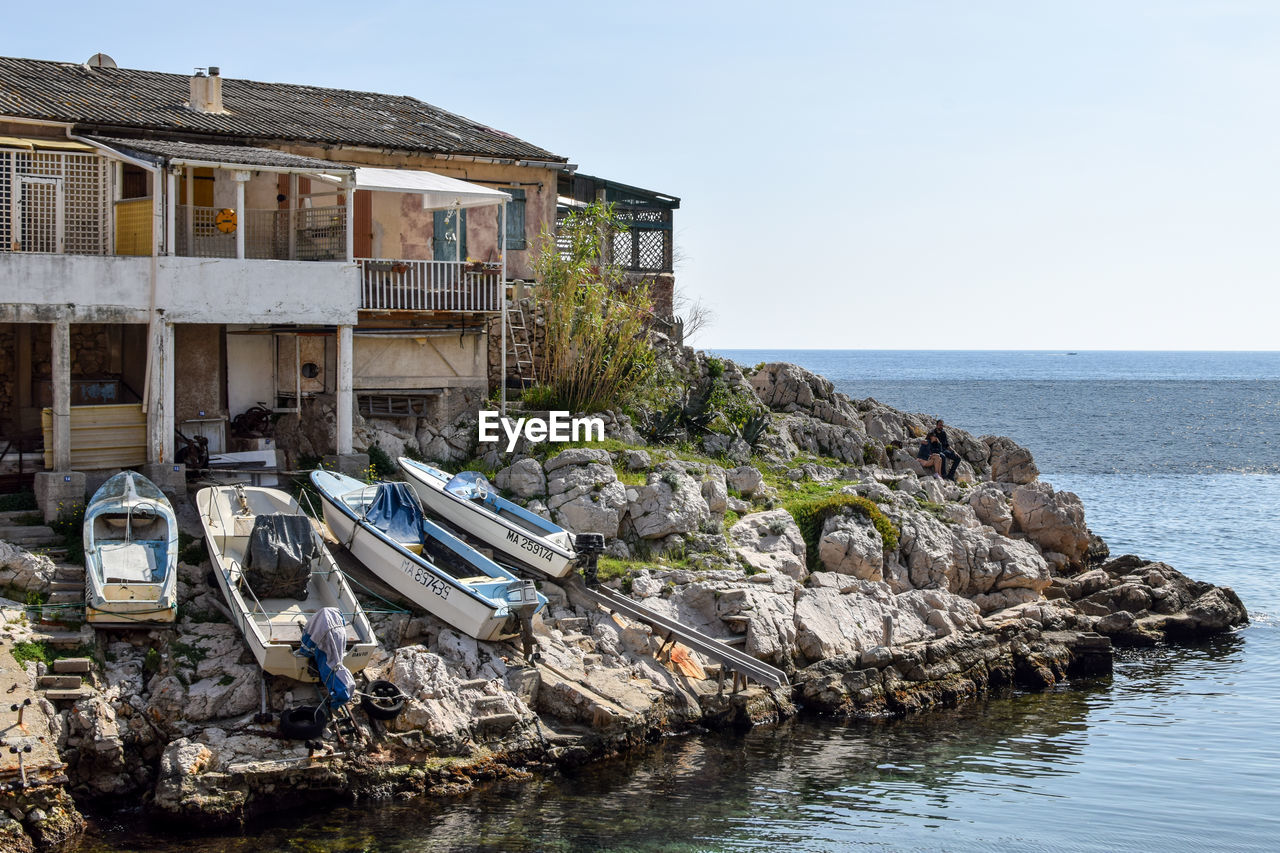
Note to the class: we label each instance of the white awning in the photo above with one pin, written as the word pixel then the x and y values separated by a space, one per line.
pixel 438 192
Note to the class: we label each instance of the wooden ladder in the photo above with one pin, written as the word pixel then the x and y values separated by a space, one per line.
pixel 520 346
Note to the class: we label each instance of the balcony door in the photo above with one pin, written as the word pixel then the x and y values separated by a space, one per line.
pixel 39 216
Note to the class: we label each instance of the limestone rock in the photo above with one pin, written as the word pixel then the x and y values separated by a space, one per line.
pixel 23 570
pixel 1052 520
pixel 850 545
pixel 992 508
pixel 745 480
pixel 770 541
pixel 524 479
pixel 715 491
pixel 671 502
pixel 1010 463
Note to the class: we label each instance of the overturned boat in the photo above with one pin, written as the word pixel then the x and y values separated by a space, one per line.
pixel 382 525
pixel 276 575
pixel 467 501
pixel 130 553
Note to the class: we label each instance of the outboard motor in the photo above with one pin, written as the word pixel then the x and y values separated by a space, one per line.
pixel 589 547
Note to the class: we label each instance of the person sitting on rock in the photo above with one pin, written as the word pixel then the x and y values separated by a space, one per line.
pixel 939 432
pixel 930 455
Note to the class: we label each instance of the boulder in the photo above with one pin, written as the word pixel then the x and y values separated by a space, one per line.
pixel 745 480
pixel 991 506
pixel 671 502
pixel 1009 462
pixel 23 570
pixel 1052 520
pixel 770 542
pixel 850 545
pixel 524 479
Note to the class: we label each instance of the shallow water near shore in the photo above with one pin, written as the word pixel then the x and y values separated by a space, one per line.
pixel 1174 457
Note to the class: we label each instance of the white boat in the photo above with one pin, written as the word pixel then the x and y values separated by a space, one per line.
pixel 130 553
pixel 275 573
pixel 466 501
pixel 382 525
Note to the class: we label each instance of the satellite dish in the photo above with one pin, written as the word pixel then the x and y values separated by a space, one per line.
pixel 101 60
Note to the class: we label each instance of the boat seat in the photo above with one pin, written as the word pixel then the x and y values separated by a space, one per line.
pixel 127 562
pixel 478 579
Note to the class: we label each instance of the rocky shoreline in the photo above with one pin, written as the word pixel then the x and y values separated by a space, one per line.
pixel 823 550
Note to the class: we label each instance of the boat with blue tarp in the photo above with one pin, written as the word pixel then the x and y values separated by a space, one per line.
pixel 383 526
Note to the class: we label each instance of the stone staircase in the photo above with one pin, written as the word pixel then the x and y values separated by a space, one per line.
pixel 67 587
pixel 66 681
pixel 16 527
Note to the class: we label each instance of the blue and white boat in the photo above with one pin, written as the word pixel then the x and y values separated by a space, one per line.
pixel 130 553
pixel 383 527
pixel 467 501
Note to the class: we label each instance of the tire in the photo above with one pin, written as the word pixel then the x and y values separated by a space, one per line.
pixel 383 700
pixel 304 722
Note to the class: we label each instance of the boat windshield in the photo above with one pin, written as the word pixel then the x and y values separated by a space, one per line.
pixel 469 484
pixel 128 484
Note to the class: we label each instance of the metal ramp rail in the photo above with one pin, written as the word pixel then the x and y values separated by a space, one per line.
pixel 740 663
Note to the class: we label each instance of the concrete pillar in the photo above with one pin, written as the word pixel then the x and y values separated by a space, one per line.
pixel 241 178
pixel 350 195
pixel 346 395
pixel 171 214
pixel 160 403
pixel 22 366
pixel 61 376
pixel 61 491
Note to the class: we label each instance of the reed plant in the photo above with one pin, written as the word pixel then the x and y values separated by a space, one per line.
pixel 597 351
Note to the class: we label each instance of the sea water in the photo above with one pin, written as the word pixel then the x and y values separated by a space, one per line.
pixel 1176 457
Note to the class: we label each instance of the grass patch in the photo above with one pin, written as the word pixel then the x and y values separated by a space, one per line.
pixel 189 653
pixel 70 527
pixel 632 478
pixel 28 651
pixel 45 653
pixel 812 512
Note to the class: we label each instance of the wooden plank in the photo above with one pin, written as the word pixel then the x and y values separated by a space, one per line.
pixel 112 436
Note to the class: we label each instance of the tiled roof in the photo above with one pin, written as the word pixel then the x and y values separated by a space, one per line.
pixel 233 154
pixel 150 100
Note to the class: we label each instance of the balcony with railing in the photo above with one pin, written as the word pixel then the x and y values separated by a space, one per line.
pixel 304 234
pixel 388 284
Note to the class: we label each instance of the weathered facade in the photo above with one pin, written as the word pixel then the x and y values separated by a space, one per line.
pixel 186 248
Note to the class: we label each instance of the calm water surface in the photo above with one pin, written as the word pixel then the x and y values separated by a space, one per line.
pixel 1176 458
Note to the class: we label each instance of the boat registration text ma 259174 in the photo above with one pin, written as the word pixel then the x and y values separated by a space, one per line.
pixel 537 549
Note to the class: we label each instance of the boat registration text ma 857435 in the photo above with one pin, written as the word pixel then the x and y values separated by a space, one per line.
pixel 422 576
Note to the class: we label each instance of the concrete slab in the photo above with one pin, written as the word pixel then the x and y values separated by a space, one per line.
pixel 59 493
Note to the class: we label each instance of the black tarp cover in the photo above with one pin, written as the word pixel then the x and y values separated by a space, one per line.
pixel 396 512
pixel 277 563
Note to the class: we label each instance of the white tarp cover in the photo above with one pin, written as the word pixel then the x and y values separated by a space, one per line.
pixel 438 192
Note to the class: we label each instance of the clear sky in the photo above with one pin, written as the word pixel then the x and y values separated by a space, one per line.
pixel 916 175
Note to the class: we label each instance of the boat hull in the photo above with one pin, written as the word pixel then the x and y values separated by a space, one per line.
pixel 409 574
pixel 272 626
pixel 516 542
pixel 131 554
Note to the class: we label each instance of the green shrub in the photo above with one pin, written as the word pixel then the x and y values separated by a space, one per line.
pixel 18 501
pixel 28 651
pixel 812 512
pixel 380 463
pixel 597 353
